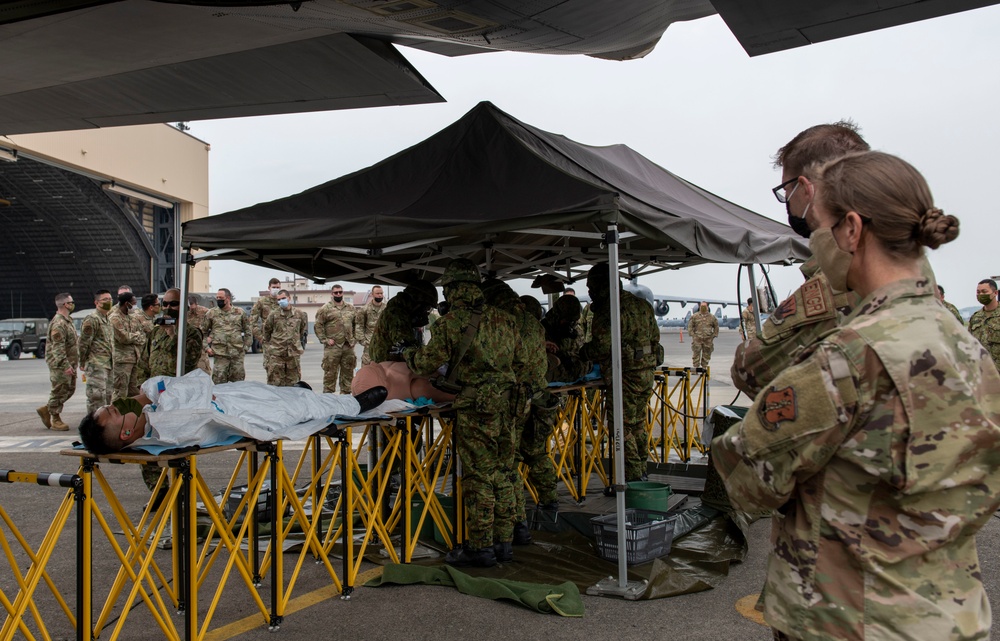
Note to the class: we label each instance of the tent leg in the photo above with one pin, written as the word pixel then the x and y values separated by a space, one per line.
pixel 622 587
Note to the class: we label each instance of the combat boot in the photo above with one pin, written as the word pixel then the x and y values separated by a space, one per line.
pixel 522 535
pixel 58 425
pixel 467 557
pixel 504 552
pixel 552 506
pixel 43 412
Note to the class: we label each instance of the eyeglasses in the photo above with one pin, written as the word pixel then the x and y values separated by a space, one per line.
pixel 780 191
pixel 171 303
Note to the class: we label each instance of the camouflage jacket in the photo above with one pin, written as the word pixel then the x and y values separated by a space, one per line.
pixel 703 326
pixel 749 322
pixel 486 372
pixel 61 349
pixel 147 323
pixel 259 313
pixel 129 336
pixel 335 321
pixel 530 363
pixel 954 310
pixel 97 342
pixel 160 357
pixel 283 331
pixel 565 366
pixel 395 325
pixel 640 335
pixel 985 326
pixel 365 321
pixel 199 316
pixel 228 333
pixel 880 451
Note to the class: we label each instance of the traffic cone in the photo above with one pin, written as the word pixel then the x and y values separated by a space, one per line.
pixel 682 336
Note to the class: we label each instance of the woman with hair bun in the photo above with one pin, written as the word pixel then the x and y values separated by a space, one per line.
pixel 880 448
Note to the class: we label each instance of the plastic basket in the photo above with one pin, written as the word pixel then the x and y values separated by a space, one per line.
pixel 648 535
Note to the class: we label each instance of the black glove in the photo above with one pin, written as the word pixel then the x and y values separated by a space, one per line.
pixel 397 348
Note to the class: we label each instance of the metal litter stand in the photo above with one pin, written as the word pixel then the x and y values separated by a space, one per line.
pixel 633 590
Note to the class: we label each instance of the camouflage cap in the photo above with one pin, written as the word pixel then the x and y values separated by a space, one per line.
pixel 461 270
pixel 567 308
pixel 423 292
pixel 495 291
pixel 597 278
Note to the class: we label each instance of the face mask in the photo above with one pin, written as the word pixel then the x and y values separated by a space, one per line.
pixel 283 303
pixel 128 406
pixel 106 305
pixel 221 302
pixel 985 299
pixel 799 224
pixel 274 292
pixel 378 299
pixel 833 261
pixel 337 299
pixel 172 312
pixel 70 306
pixel 703 309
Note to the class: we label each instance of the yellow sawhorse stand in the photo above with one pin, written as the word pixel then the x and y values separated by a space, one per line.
pixel 190 565
pixel 678 403
pixel 36 572
pixel 579 437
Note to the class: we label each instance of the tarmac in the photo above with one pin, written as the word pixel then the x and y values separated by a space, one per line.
pixel 393 612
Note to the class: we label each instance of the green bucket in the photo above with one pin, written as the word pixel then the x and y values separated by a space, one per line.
pixel 428 530
pixel 648 495
pixel 448 504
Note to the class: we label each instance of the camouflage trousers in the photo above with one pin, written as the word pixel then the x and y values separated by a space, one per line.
pixel 637 385
pixel 151 474
pixel 203 363
pixel 510 456
pixel 63 387
pixel 228 369
pixel 365 356
pixel 701 351
pixel 488 496
pixel 126 380
pixel 98 387
pixel 338 366
pixel 534 453
pixel 283 371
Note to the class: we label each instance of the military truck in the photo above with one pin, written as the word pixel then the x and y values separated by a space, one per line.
pixel 23 335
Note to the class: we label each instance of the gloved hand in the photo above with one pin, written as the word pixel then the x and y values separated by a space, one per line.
pixel 397 348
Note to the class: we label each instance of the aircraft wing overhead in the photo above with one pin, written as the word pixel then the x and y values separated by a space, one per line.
pixel 767 26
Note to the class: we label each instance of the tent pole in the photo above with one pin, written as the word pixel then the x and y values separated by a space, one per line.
pixel 630 590
pixel 181 328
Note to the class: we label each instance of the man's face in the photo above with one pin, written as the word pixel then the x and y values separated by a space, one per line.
pixel 985 289
pixel 377 294
pixel 171 304
pixel 338 294
pixel 103 301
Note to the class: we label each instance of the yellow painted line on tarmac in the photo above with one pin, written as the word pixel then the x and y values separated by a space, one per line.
pixel 747 608
pixel 298 603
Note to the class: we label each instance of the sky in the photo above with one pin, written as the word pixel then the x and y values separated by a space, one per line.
pixel 700 107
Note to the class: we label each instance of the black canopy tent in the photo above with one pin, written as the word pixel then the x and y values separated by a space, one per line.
pixel 517 200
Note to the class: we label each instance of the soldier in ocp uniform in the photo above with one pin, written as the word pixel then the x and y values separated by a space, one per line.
pixel 198 316
pixel 283 338
pixel 703 329
pixel 62 356
pixel 748 321
pixel 335 330
pixel 880 446
pixel 400 325
pixel 985 323
pixel 641 352
pixel 529 365
pixel 130 340
pixel 260 311
pixel 365 321
pixel 228 338
pixel 150 304
pixel 97 348
pixel 481 369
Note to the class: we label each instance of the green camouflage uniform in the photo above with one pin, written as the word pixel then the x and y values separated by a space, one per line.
pixel 130 341
pixel 336 321
pixel 147 323
pixel 61 354
pixel 97 347
pixel 985 326
pixel 283 346
pixel 529 365
pixel 198 316
pixel 364 326
pixel 395 326
pixel 160 357
pixel 258 316
pixel 880 451
pixel 954 310
pixel 702 329
pixel 749 322
pixel 229 336
pixel 483 408
pixel 641 352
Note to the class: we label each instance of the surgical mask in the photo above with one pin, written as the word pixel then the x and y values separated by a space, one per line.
pixel 283 303
pixel 274 291
pixel 985 299
pixel 337 299
pixel 106 305
pixel 378 299
pixel 221 302
pixel 70 306
pixel 128 406
pixel 833 261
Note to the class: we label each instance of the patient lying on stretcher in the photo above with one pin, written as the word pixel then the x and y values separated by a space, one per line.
pixel 192 411
pixel 399 382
